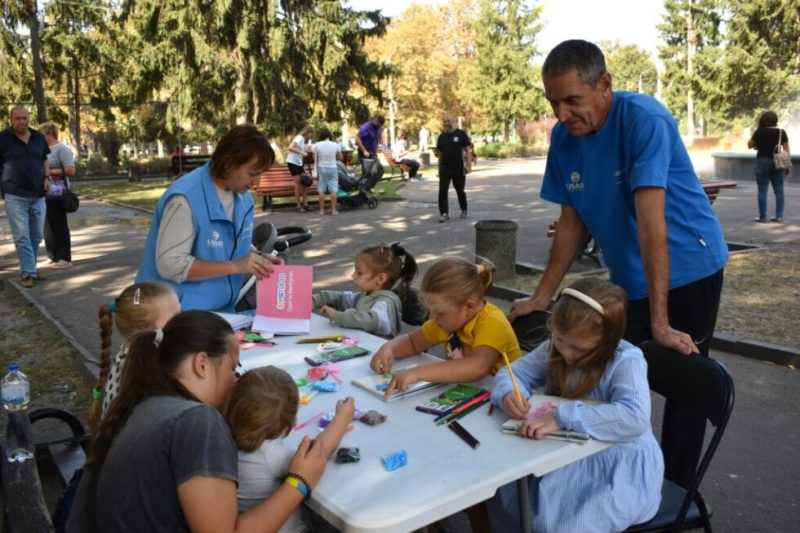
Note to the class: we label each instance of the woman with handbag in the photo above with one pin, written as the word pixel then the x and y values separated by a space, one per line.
pixel 772 163
pixel 56 231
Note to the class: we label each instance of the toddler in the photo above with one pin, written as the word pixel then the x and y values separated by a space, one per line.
pixel 383 275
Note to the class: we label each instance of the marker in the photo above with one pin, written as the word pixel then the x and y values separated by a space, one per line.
pixel 310 340
pixel 465 435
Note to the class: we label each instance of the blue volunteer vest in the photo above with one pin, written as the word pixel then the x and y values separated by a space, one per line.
pixel 217 238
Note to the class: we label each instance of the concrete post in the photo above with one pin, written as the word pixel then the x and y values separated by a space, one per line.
pixel 496 240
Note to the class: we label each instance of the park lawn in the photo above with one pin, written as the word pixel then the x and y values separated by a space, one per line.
pixel 145 194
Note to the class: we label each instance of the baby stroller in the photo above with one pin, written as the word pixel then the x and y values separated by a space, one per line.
pixel 354 192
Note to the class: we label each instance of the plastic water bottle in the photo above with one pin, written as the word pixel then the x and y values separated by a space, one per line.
pixel 16 392
pixel 16 389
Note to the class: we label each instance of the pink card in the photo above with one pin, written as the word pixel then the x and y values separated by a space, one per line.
pixel 284 301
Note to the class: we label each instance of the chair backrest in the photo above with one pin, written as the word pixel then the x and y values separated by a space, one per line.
pixel 696 381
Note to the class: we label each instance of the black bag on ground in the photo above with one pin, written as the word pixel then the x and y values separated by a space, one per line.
pixel 531 330
pixel 70 201
pixel 414 313
pixel 306 180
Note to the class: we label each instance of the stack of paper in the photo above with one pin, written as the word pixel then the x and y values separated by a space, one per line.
pixel 237 321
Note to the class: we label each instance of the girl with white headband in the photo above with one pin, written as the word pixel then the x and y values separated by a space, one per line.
pixel 586 359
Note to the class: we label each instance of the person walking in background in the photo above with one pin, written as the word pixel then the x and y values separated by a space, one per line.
pixel 454 151
pixel 24 182
pixel 326 152
pixel 424 134
pixel 294 160
pixel 61 163
pixel 766 140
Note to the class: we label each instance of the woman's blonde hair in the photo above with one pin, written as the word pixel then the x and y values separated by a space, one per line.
pixel 457 280
pixel 263 406
pixel 573 315
pixel 132 311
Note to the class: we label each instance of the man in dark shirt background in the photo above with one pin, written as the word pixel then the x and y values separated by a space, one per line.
pixel 23 172
pixel 454 151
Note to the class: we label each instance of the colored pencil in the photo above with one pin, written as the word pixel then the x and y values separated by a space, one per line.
pixel 465 435
pixel 461 414
pixel 513 379
pixel 457 409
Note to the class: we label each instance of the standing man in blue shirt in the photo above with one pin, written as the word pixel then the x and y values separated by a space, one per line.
pixel 23 163
pixel 619 169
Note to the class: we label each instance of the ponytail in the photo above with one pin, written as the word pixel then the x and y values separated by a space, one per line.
pixel 486 273
pixel 106 319
pixel 408 271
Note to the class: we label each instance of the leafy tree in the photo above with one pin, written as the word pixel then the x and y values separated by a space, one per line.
pixel 692 37
pixel 762 61
pixel 631 67
pixel 501 82
pixel 424 47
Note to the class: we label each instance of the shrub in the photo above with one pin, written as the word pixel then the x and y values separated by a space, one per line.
pixel 507 150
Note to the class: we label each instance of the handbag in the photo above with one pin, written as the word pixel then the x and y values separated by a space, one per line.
pixel 780 157
pixel 70 201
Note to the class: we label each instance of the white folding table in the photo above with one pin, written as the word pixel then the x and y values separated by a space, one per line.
pixel 443 476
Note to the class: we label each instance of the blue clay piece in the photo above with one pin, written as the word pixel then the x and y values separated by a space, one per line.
pixel 382 386
pixel 395 460
pixel 325 386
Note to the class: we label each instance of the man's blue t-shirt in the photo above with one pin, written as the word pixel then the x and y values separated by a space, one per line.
pixel 638 146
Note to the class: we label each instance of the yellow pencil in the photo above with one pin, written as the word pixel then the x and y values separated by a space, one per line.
pixel 513 379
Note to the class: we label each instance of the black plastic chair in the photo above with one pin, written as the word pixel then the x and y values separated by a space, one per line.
pixel 706 385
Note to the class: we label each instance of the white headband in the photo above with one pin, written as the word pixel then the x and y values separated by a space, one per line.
pixel 159 337
pixel 588 300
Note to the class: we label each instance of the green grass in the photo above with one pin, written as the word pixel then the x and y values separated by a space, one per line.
pixel 146 194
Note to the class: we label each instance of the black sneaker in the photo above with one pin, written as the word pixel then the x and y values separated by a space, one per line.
pixel 444 218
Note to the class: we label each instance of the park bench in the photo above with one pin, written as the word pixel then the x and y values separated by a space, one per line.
pixel 394 164
pixel 23 500
pixel 180 164
pixel 276 182
pixel 713 187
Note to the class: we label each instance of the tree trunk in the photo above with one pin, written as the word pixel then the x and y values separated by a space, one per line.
pixel 506 130
pixel 36 52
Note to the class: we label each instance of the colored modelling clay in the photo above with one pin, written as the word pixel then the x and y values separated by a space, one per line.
pixel 325 386
pixel 395 460
pixel 348 455
pixel 372 418
pixel 301 382
pixel 317 373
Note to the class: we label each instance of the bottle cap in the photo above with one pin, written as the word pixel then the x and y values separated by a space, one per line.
pixel 13 366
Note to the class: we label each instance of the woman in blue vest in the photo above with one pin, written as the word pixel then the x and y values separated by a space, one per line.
pixel 200 237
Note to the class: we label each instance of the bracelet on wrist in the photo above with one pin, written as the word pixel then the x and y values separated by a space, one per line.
pixel 299 482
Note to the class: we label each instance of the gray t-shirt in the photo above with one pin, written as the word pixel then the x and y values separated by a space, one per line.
pixel 167 440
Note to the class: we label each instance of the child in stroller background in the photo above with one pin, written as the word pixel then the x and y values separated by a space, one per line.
pixel 354 192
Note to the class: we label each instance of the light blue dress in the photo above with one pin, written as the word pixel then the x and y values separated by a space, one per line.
pixel 607 491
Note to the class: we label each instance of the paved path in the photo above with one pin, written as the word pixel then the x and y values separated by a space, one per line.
pixel 752 482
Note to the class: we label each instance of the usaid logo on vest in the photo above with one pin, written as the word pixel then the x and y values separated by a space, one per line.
pixel 577 184
pixel 215 241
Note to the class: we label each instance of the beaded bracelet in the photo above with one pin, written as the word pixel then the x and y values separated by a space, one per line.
pixel 299 482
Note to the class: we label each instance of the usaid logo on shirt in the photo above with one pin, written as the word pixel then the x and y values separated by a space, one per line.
pixel 577 184
pixel 215 241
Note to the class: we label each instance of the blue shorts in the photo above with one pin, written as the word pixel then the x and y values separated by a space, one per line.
pixel 328 180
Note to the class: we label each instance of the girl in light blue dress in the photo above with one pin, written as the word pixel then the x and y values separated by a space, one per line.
pixel 586 359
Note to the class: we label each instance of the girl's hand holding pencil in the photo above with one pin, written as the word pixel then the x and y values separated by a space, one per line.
pixel 514 407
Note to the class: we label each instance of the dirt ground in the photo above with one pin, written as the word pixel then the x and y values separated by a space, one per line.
pixel 760 295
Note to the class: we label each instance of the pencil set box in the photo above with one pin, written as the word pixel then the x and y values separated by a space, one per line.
pixel 450 399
